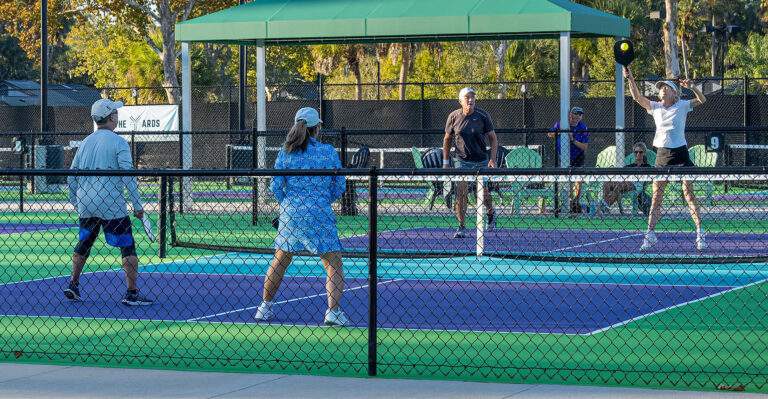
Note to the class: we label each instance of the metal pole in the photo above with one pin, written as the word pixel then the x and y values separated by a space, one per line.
pixel 261 111
pixel 620 117
pixel 21 178
pixel 44 69
pixel 242 82
pixel 163 210
pixel 373 190
pixel 565 105
pixel 186 129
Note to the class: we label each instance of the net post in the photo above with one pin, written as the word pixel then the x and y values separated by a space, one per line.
pixel 480 208
pixel 181 166
pixel 373 187
pixel 21 178
pixel 228 160
pixel 163 223
pixel 171 210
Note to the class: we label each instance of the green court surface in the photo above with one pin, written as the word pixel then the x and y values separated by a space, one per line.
pixel 718 340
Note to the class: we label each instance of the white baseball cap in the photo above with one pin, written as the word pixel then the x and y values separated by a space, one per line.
pixel 308 115
pixel 103 108
pixel 463 92
pixel 668 83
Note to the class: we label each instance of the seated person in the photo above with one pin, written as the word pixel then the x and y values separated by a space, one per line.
pixel 612 191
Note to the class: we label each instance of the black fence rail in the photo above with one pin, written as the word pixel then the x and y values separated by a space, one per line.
pixel 537 285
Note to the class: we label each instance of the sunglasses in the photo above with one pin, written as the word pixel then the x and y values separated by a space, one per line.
pixel 639 152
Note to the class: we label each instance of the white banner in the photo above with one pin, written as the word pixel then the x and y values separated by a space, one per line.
pixel 148 118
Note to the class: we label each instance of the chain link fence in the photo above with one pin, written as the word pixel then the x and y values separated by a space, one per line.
pixel 523 293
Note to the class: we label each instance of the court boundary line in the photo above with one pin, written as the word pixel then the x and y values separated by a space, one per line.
pixel 643 316
pixel 289 300
pixel 600 283
pixel 117 269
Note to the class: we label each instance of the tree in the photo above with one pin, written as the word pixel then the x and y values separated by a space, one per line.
pixel 20 19
pixel 153 21
pixel 14 63
pixel 499 49
pixel 671 57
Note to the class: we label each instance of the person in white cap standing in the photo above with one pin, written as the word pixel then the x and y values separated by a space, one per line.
pixel 100 200
pixel 306 222
pixel 470 131
pixel 670 115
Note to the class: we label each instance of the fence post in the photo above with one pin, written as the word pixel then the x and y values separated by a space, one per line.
pixel 321 89
pixel 349 199
pixel 162 222
pixel 373 188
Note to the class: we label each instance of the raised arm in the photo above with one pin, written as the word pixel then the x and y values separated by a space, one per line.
pixel 700 97
pixel 635 91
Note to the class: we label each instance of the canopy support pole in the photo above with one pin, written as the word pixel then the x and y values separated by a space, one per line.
pixel 565 107
pixel 186 122
pixel 261 112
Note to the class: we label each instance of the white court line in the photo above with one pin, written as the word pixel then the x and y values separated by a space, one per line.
pixel 116 269
pixel 288 301
pixel 625 322
pixel 591 243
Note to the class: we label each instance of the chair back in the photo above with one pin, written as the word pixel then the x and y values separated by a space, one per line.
pixel 361 158
pixel 433 158
pixel 416 158
pixel 701 158
pixel 523 157
pixel 606 158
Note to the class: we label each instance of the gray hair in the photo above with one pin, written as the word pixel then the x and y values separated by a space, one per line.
pixel 641 146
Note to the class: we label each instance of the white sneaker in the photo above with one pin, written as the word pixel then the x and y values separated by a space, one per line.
pixel 264 312
pixel 700 243
pixel 336 317
pixel 649 241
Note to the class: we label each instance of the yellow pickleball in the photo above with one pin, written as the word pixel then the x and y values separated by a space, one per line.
pixel 624 46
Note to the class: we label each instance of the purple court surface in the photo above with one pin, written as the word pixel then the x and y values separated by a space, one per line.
pixel 402 303
pixel 587 243
pixel 13 228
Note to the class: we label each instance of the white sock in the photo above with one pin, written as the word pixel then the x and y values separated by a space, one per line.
pixel 699 232
pixel 268 304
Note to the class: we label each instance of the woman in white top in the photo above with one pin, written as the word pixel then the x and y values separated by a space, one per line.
pixel 670 114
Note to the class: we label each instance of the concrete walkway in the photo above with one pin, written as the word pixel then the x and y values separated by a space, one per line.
pixel 43 382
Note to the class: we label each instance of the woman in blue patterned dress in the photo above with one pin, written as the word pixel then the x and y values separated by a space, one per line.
pixel 307 222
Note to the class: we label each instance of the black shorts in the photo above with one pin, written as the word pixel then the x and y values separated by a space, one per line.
pixel 578 161
pixel 117 233
pixel 673 156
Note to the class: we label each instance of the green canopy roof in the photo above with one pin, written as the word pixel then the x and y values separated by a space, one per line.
pixel 346 21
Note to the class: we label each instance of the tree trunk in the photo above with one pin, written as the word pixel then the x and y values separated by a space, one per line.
pixel 671 57
pixel 168 52
pixel 500 54
pixel 353 60
pixel 405 65
pixel 718 48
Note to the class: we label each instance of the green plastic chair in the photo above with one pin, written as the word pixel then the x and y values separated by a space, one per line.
pixel 417 158
pixel 525 158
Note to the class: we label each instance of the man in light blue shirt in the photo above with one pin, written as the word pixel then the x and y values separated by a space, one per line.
pixel 100 200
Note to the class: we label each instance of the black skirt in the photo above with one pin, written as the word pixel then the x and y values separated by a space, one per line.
pixel 677 156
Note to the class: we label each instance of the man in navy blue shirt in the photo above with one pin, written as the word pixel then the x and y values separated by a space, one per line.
pixel 579 138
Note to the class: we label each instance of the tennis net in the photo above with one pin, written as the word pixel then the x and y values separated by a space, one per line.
pixel 527 217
